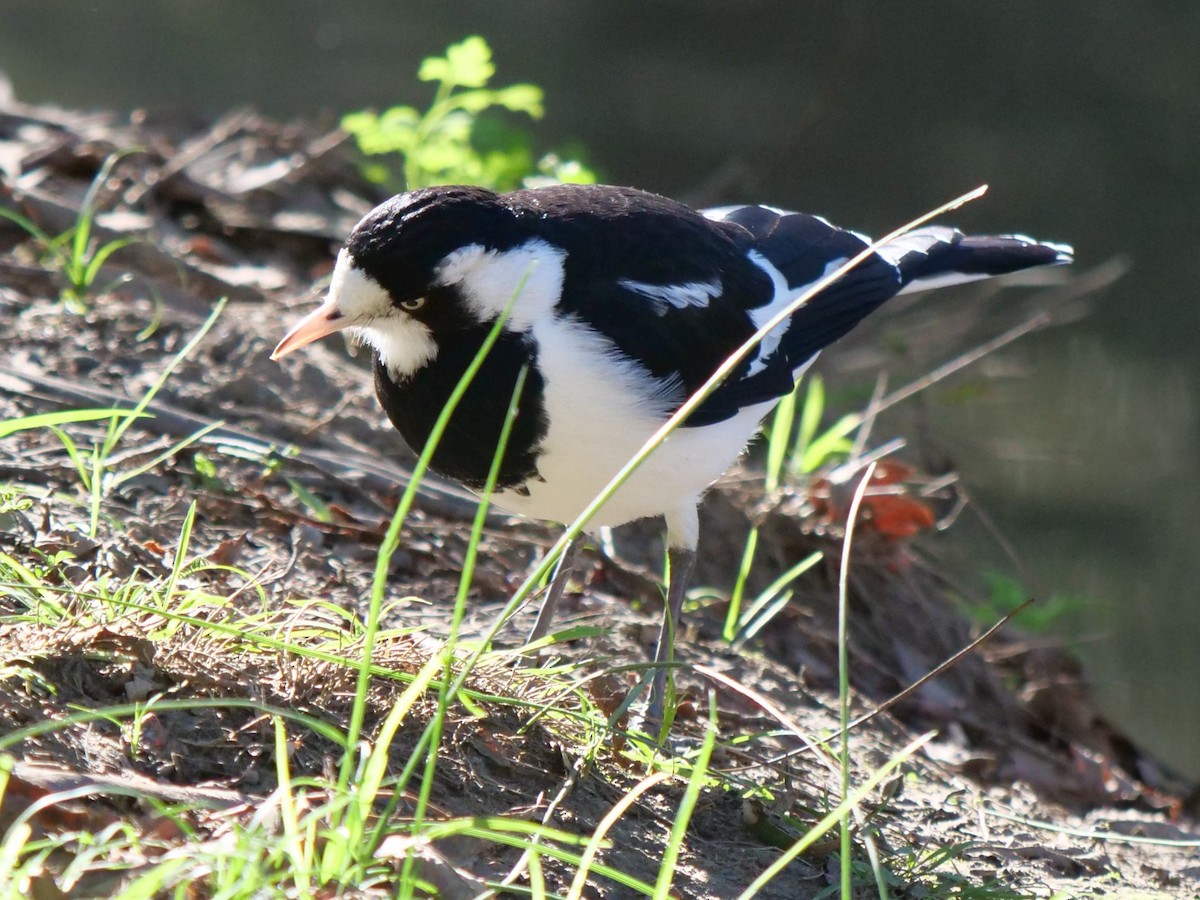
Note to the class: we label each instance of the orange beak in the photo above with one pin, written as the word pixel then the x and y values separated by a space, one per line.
pixel 322 321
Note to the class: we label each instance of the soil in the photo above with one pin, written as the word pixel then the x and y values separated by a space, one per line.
pixel 1037 793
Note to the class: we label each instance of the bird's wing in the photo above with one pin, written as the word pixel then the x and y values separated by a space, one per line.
pixel 668 289
pixel 679 293
pixel 797 251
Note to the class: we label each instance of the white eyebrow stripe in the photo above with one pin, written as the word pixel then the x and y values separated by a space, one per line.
pixel 680 296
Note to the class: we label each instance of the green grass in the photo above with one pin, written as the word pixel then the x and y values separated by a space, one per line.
pixel 75 252
pixel 793 451
pixel 93 464
pixel 1006 594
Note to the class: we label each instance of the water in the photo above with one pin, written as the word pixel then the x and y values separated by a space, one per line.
pixel 1084 118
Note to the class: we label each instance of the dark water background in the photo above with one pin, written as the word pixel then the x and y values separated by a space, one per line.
pixel 1083 117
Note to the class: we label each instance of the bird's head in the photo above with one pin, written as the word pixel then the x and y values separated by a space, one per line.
pixel 423 264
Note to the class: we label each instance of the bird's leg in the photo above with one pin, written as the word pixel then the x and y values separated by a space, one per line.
pixel 562 574
pixel 680 560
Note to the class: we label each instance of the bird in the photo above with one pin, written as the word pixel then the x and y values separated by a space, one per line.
pixel 617 305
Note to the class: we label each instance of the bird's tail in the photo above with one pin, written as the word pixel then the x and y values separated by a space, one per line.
pixel 937 256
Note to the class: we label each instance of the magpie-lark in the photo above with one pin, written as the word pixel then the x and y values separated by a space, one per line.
pixel 625 303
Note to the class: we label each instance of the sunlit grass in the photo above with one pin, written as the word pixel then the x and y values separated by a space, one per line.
pixel 371 830
pixel 92 465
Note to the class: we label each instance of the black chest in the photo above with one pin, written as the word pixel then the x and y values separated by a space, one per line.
pixel 468 445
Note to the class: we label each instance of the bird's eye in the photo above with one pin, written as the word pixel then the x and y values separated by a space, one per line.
pixel 414 304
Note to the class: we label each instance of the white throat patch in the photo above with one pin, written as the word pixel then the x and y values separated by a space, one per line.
pixel 488 280
pixel 404 345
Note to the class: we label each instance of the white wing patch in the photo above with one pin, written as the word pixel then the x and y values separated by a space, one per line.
pixel 920 241
pixel 946 279
pixel 784 296
pixel 489 279
pixel 680 296
pixel 721 213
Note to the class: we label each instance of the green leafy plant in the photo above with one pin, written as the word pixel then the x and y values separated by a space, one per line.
pixel 76 253
pixel 1005 594
pixel 458 139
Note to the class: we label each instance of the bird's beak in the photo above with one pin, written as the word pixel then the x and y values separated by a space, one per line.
pixel 322 321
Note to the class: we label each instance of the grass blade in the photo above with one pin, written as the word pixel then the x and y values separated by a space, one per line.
pixel 166 454
pixel 124 710
pixel 773 590
pixel 666 871
pixel 391 540
pixel 83 467
pixel 127 419
pixel 834 816
pixel 733 615
pixel 293 842
pixel 28 225
pixel 53 419
pixel 596 841
pixel 780 438
pixel 446 695
pixel 87 215
pixel 844 671
pixel 100 257
pixel 185 538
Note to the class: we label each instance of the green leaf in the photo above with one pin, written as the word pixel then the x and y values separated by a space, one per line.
pixel 377 173
pixel 318 507
pixel 101 257
pixel 395 131
pixel 810 412
pixel 453 140
pixel 444 156
pixel 363 120
pixel 503 169
pixel 400 118
pixel 434 68
pixel 505 152
pixel 526 98
pixel 205 467
pixel 470 62
pixel 27 224
pixel 475 101
pixel 831 442
pixel 780 435
pixel 467 64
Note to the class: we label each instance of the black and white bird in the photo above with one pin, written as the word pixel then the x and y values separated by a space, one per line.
pixel 625 303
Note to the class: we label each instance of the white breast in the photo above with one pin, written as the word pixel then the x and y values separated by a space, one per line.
pixel 599 417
